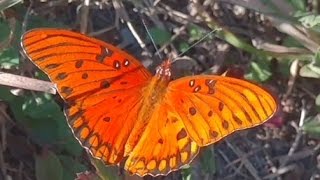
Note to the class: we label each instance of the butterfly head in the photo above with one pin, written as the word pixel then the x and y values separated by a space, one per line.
pixel 163 71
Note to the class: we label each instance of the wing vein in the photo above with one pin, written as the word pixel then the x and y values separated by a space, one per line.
pixel 244 98
pixel 197 107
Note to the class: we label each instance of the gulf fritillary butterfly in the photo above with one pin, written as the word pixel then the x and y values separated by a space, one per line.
pixel 119 112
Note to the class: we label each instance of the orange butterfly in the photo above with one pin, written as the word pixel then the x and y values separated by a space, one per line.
pixel 117 110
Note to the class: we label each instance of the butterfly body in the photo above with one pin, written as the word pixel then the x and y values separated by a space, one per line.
pixel 153 95
pixel 119 112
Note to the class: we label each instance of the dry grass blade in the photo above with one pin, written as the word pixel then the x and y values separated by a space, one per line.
pixel 84 16
pixel 266 46
pixel 4 4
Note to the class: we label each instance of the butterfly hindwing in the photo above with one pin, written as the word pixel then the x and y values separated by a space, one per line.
pixel 164 145
pixel 212 107
pixel 104 127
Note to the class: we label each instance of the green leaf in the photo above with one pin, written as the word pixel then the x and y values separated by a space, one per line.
pixel 42 107
pixel 186 173
pixel 195 32
pixel 312 126
pixel 310 70
pixel 105 172
pixel 43 131
pixel 6 95
pixel 71 167
pixel 72 146
pixel 5 30
pixel 284 67
pixel 160 36
pixel 310 21
pixel 45 119
pixel 48 167
pixel 259 71
pixel 9 58
pixel 207 159
pixel 44 126
pixel 298 4
pixel 183 47
pixel 316 59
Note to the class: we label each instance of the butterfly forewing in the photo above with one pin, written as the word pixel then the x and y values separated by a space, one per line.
pixel 79 64
pixel 100 83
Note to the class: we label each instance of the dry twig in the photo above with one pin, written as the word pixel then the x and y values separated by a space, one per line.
pixel 26 83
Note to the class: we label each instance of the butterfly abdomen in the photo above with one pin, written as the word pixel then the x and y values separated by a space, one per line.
pixel 153 93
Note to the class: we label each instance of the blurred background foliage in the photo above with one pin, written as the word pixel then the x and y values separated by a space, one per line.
pixel 271 42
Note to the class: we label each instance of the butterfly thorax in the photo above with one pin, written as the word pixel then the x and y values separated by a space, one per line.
pixel 155 90
pixel 163 71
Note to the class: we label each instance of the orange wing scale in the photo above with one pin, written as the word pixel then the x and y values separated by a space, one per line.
pixel 117 110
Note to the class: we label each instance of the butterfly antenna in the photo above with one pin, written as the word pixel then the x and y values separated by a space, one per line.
pixel 193 45
pixel 153 43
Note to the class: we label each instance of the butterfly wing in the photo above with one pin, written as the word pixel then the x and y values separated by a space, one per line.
pixel 164 145
pixel 212 107
pixel 100 84
pixel 195 112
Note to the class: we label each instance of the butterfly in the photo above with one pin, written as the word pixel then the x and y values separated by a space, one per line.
pixel 121 113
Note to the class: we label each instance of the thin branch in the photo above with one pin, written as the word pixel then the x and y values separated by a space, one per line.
pixel 249 166
pixel 26 83
pixel 298 137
